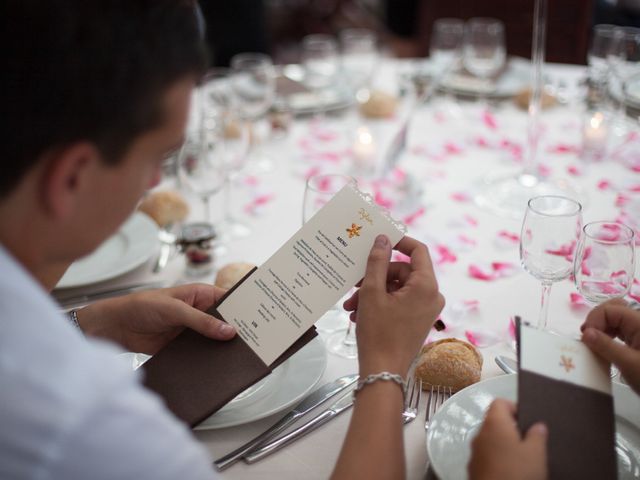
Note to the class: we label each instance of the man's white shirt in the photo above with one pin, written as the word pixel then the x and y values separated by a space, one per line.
pixel 69 408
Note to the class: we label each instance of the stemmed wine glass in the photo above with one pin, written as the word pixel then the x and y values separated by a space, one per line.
pixel 445 48
pixel 624 61
pixel 484 52
pixel 254 87
pixel 597 58
pixel 201 169
pixel 550 232
pixel 605 261
pixel 359 56
pixel 318 191
pixel 219 112
pixel 321 63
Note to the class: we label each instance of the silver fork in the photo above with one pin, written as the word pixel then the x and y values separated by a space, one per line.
pixel 437 396
pixel 412 400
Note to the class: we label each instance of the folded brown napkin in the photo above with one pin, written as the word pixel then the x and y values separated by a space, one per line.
pixel 196 376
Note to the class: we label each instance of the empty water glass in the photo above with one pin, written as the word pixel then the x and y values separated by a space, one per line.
pixel 605 261
pixel 550 232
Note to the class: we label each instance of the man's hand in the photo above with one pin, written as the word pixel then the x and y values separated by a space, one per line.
pixel 145 322
pixel 395 307
pixel 498 452
pixel 610 320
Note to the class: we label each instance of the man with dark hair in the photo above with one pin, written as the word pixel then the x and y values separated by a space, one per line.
pixel 95 95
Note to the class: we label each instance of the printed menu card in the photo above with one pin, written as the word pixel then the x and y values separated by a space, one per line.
pixel 566 386
pixel 273 308
pixel 308 274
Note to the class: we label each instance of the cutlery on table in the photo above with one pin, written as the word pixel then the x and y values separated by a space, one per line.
pixel 437 396
pixel 508 365
pixel 344 403
pixel 167 244
pixel 305 406
pixel 71 300
pixel 412 401
pixel 408 415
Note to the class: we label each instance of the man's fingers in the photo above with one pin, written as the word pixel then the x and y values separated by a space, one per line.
pixel 198 295
pixel 204 324
pixel 375 276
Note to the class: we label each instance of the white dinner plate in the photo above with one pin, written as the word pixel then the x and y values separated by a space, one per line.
pixel 130 247
pixel 459 419
pixel 515 78
pixel 286 385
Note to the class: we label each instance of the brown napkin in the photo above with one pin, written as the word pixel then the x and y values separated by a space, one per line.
pixel 196 376
pixel 581 442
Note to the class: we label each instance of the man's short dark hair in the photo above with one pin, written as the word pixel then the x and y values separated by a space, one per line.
pixel 93 70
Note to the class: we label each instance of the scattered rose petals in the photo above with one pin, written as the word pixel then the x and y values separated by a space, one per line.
pixel 254 207
pixel 577 300
pixel 444 255
pixel 573 170
pixel 492 272
pixel 564 148
pixel 411 219
pixel 489 120
pixel 460 197
pixel 482 338
pixel 507 239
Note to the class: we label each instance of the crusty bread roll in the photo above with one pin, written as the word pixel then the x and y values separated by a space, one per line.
pixel 379 105
pixel 165 207
pixel 231 273
pixel 450 363
pixel 523 97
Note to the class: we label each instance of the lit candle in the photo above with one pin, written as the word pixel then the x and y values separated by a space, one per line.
pixel 594 136
pixel 364 148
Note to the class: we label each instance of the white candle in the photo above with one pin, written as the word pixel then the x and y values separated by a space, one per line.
pixel 595 134
pixel 364 147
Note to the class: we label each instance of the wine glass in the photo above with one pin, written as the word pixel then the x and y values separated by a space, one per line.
pixel 624 61
pixel 254 88
pixel 550 232
pixel 320 63
pixel 605 261
pixel 597 59
pixel 359 55
pixel 445 49
pixel 484 52
pixel 201 169
pixel 218 106
pixel 318 191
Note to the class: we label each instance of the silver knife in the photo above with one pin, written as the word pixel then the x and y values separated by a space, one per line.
pixel 508 365
pixel 305 406
pixel 70 300
pixel 334 410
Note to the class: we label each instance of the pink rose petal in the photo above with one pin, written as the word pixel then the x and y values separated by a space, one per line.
pixel 489 120
pixel 482 338
pixel 460 197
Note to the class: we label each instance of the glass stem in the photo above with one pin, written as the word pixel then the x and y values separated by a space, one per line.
pixel 544 306
pixel 350 336
pixel 226 197
pixel 207 208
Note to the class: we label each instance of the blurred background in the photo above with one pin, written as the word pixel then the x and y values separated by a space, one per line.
pixel 276 27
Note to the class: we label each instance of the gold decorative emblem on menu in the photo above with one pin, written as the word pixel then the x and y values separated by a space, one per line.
pixel 566 363
pixel 354 231
pixel 364 215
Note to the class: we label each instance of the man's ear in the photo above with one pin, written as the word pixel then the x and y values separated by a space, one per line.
pixel 67 178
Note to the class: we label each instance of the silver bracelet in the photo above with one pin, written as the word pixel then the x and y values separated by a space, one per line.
pixel 73 318
pixel 374 377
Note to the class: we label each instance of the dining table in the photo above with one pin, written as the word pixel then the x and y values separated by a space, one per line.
pixel 453 143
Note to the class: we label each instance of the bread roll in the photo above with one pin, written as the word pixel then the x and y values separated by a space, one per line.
pixel 379 105
pixel 450 363
pixel 165 207
pixel 231 273
pixel 523 97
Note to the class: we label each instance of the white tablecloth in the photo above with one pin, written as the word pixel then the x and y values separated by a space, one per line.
pixel 446 155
